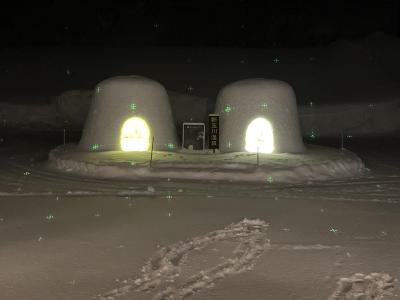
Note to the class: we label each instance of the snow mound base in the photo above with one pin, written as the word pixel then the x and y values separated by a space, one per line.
pixel 161 274
pixel 375 286
pixel 316 164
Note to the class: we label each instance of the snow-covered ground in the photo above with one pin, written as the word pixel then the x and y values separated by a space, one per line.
pixel 67 237
pixel 315 164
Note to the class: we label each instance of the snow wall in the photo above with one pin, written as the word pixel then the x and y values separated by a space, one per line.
pixel 243 104
pixel 141 101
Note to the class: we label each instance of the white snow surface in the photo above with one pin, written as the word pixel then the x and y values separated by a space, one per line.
pixel 161 273
pixel 68 237
pixel 242 101
pixel 119 98
pixel 318 163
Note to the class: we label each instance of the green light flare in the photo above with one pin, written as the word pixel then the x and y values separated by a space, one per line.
pixel 228 109
pixel 313 134
pixel 133 106
pixel 50 217
pixel 95 147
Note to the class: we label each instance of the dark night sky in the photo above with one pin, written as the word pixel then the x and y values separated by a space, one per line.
pixel 210 23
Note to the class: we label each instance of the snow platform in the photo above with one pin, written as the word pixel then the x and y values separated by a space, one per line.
pixel 316 164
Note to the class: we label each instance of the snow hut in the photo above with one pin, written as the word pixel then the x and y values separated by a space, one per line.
pixel 259 115
pixel 125 113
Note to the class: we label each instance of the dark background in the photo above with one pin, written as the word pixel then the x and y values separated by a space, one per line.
pixel 206 23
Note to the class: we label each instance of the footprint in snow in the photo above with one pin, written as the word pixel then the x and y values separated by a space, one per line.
pixel 164 276
pixel 375 286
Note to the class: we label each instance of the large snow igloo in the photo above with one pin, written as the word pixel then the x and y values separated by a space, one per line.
pixel 125 113
pixel 259 115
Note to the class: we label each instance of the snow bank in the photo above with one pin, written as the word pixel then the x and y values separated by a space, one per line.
pixel 74 105
pixel 188 108
pixel 28 117
pixel 362 72
pixel 317 163
pixel 369 118
pixel 352 119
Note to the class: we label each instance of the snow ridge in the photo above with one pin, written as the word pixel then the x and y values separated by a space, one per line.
pixel 160 271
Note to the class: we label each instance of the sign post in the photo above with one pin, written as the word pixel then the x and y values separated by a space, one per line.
pixel 213 132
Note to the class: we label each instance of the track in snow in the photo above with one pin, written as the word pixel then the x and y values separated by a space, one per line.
pixel 375 286
pixel 161 273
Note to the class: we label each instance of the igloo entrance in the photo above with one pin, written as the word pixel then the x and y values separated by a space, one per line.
pixel 135 135
pixel 259 136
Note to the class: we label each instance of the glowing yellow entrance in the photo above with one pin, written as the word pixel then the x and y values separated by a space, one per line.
pixel 135 135
pixel 260 136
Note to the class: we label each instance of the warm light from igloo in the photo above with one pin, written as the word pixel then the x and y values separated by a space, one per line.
pixel 259 136
pixel 135 135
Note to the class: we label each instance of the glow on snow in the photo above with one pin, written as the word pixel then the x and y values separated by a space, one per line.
pixel 260 136
pixel 135 135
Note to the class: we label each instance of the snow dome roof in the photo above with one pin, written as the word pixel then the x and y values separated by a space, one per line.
pixel 259 115
pixel 126 112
